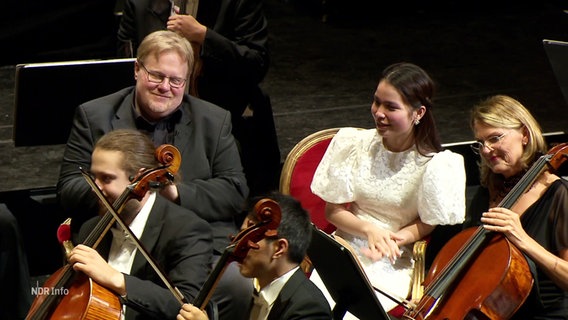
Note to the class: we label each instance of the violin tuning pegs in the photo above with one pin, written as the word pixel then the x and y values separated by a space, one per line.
pixel 154 185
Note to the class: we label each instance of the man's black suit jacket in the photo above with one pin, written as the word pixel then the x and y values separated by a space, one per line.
pixel 212 183
pixel 181 244
pixel 235 60
pixel 300 299
pixel 234 53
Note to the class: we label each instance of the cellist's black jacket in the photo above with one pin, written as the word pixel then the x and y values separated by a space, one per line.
pixel 181 243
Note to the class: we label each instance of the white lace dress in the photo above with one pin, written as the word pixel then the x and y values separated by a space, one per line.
pixel 389 189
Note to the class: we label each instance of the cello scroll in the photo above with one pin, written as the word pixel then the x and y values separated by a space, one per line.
pixel 268 215
pixel 558 155
pixel 170 158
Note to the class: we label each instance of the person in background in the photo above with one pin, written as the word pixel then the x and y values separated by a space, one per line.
pixel 212 181
pixel 387 187
pixel 285 291
pixel 176 238
pixel 509 141
pixel 16 298
pixel 230 38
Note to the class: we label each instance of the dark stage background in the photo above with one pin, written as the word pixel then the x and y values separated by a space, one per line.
pixel 325 64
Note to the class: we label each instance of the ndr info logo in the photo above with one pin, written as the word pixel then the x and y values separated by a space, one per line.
pixel 40 291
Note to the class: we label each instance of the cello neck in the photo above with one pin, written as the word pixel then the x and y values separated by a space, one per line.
pixel 526 181
pixel 204 295
pixel 102 227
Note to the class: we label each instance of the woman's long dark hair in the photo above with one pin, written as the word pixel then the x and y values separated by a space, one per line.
pixel 417 89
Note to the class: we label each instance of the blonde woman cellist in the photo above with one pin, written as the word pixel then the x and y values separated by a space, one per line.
pixel 509 140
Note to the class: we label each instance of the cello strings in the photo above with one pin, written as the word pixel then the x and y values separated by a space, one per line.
pixel 448 274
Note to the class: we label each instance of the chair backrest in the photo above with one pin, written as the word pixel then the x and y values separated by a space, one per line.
pixel 298 171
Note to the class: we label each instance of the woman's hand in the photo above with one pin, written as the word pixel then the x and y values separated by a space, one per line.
pixel 381 243
pixel 507 222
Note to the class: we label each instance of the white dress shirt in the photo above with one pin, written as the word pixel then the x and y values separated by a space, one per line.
pixel 123 248
pixel 264 300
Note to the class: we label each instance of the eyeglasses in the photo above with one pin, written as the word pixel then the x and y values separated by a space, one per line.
pixel 155 77
pixel 489 143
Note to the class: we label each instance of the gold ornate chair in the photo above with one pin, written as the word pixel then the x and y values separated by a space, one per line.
pixel 298 171
pixel 295 180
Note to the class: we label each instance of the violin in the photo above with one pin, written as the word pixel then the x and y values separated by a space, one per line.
pixel 77 296
pixel 269 214
pixel 479 274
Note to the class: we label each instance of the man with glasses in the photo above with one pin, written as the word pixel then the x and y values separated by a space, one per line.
pixel 230 39
pixel 213 184
pixel 156 77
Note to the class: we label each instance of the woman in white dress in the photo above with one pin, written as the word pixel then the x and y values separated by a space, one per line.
pixel 387 187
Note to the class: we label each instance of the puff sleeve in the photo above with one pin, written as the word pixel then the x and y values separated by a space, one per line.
pixel 333 179
pixel 441 196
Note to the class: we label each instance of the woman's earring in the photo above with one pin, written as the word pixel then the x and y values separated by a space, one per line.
pixel 416 122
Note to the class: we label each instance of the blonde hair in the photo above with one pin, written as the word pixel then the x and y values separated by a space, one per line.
pixel 501 111
pixel 162 41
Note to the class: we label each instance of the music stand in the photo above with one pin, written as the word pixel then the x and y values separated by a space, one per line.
pixel 43 114
pixel 557 53
pixel 343 278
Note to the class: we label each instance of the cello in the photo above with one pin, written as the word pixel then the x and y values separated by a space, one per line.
pixel 71 294
pixel 268 214
pixel 479 274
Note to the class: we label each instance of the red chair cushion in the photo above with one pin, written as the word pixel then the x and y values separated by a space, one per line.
pixel 301 179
